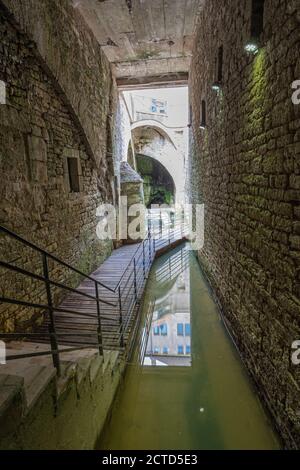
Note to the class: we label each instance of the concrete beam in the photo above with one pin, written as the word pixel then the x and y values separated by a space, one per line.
pixel 143 37
pixel 155 81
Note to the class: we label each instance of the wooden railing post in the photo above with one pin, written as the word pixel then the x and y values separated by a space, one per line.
pixel 99 329
pixel 52 332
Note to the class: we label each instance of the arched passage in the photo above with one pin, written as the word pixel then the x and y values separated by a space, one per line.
pixel 159 186
pixel 160 128
pixel 153 142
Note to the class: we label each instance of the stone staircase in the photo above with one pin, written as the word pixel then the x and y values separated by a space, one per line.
pixel 27 384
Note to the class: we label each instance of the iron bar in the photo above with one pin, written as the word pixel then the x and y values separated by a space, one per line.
pixel 24 303
pixel 149 241
pixel 144 268
pixel 45 353
pixel 53 341
pixel 135 287
pixel 49 255
pixel 37 335
pixel 127 294
pixel 42 279
pixel 99 329
pixel 121 320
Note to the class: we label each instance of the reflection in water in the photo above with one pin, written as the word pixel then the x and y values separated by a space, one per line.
pixel 169 342
pixel 208 405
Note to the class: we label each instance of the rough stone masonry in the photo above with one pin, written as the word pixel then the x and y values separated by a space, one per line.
pixel 50 117
pixel 245 167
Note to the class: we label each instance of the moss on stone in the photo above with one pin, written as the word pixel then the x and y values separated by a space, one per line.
pixel 158 184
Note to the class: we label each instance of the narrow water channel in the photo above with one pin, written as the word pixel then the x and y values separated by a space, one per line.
pixel 186 388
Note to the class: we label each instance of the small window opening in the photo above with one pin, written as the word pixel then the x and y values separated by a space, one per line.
pixel 73 174
pixel 180 331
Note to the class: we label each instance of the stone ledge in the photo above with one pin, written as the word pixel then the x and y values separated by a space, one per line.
pixel 32 397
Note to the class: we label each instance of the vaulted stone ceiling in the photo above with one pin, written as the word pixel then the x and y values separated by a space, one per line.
pixel 145 40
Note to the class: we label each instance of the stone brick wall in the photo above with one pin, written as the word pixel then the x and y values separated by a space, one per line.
pixel 38 132
pixel 74 57
pixel 245 168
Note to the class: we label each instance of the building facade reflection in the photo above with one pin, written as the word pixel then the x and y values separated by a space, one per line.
pixel 169 342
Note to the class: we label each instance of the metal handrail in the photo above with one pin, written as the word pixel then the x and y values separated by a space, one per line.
pixel 55 351
pixel 177 230
pixel 49 255
pixel 25 272
pixel 130 262
pixel 128 294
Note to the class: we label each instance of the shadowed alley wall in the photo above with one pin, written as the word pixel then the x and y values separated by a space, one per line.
pixel 245 168
pixel 51 115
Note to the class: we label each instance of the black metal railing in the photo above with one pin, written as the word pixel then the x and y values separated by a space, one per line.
pixel 49 306
pixel 108 317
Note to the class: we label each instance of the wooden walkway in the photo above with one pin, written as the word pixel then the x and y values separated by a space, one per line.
pixel 114 269
pixel 102 312
pixel 124 275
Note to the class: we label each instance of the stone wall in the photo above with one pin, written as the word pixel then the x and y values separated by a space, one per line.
pixel 132 194
pixel 74 57
pixel 245 168
pixel 38 133
pixel 122 136
pixel 39 411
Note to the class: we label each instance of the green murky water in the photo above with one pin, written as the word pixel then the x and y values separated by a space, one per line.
pixel 191 392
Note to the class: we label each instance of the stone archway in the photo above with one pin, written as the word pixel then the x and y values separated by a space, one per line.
pixel 159 186
pixel 153 140
pixel 158 126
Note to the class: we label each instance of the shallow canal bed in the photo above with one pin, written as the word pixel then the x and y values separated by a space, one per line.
pixel 186 387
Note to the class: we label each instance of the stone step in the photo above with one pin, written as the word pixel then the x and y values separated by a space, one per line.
pixel 35 372
pixel 28 378
pixel 11 387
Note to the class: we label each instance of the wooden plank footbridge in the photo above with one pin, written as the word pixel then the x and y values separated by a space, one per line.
pixel 102 312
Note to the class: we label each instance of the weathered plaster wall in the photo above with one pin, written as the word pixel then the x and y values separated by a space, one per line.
pixel 245 168
pixel 38 131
